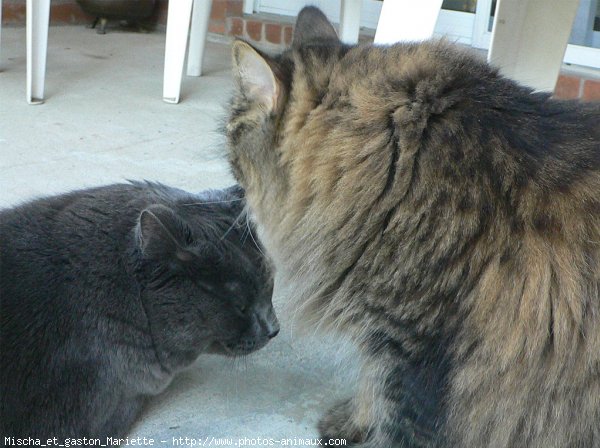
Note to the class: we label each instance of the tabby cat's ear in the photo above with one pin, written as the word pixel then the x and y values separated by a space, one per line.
pixel 312 26
pixel 162 235
pixel 254 75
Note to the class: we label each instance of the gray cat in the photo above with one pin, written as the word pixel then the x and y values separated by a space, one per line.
pixel 106 293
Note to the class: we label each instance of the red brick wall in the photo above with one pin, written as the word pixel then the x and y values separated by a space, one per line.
pixel 61 12
pixel 259 31
pixel 573 87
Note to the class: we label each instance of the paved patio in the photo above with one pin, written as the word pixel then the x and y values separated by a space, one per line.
pixel 104 121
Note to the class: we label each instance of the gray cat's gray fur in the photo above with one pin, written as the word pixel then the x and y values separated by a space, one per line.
pixel 106 293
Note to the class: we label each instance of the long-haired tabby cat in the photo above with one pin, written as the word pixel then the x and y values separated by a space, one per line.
pixel 447 219
pixel 107 293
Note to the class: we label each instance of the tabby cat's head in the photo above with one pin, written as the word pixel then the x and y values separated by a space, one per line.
pixel 324 129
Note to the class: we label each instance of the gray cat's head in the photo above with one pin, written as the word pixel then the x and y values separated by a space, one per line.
pixel 207 286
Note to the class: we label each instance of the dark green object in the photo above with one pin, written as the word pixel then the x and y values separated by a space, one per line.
pixel 132 11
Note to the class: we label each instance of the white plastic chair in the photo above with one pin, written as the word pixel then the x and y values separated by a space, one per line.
pixel 38 19
pixel 0 29
pixel 529 39
pixel 350 20
pixel 406 20
pixel 178 27
pixel 400 20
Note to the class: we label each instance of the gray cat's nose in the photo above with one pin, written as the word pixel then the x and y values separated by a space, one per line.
pixel 273 333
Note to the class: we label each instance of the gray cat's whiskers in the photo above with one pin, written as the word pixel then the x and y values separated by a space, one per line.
pixel 234 224
pixel 213 202
pixel 244 236
pixel 252 236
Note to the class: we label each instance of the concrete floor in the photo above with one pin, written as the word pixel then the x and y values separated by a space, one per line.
pixel 104 121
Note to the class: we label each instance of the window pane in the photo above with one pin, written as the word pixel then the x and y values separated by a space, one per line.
pixel 586 26
pixel 492 12
pixel 460 5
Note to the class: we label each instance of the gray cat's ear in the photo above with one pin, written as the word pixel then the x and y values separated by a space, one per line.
pixel 313 26
pixel 254 76
pixel 235 192
pixel 162 235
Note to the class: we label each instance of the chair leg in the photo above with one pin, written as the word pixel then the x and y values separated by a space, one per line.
pixel 406 20
pixel 199 28
pixel 350 21
pixel 529 40
pixel 0 30
pixel 38 19
pixel 178 25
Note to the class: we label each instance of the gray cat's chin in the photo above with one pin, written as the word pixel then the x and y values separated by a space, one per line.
pixel 235 349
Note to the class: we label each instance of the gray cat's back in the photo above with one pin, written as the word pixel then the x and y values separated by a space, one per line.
pixel 64 289
pixel 60 254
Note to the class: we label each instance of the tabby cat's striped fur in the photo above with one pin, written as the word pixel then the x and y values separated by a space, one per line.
pixel 444 217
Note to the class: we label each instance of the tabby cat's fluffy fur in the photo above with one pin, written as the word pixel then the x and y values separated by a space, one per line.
pixel 444 217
